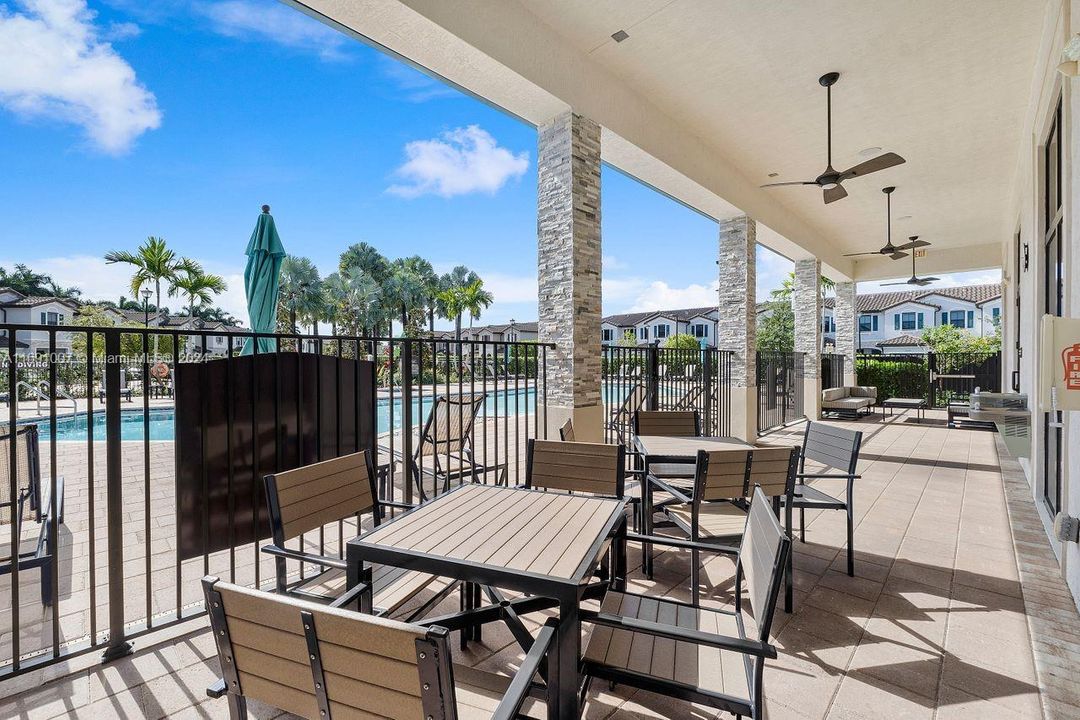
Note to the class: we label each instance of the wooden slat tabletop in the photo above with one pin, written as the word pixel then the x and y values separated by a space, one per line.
pixel 660 445
pixel 543 533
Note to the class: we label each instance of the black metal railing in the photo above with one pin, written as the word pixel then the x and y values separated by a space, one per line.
pixel 780 389
pixel 938 378
pixel 156 449
pixel 655 378
pixel 832 370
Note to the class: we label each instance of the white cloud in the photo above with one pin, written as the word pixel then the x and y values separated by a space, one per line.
pixel 661 296
pixel 463 160
pixel 56 64
pixel 262 20
pixel 771 271
pixel 414 85
pixel 510 288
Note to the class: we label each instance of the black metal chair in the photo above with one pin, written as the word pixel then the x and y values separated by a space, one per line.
pixel 669 423
pixel 313 496
pixel 699 655
pixel 28 506
pixel 838 450
pixel 445 447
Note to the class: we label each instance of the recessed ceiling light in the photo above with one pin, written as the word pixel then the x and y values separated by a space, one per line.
pixel 904 217
pixel 773 174
pixel 620 35
pixel 867 152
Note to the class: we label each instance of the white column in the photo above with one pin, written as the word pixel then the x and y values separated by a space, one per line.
pixel 808 331
pixel 737 324
pixel 846 328
pixel 568 234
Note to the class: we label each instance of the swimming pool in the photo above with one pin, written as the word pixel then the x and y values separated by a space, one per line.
pixel 162 420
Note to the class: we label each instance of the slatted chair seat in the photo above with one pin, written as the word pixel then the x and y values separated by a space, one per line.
pixel 709 668
pixel 326 662
pixel 307 499
pixel 391 587
pixel 808 496
pixel 715 520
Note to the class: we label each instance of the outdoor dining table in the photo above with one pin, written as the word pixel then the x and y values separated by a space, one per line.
pixel 542 544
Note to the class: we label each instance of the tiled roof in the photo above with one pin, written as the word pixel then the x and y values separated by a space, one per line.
pixel 876 302
pixel 631 319
pixel 902 341
pixel 34 300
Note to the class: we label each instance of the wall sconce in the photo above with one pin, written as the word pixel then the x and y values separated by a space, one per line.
pixel 1066 528
pixel 1025 257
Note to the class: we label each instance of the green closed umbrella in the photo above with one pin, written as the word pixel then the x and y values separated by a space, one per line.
pixel 265 253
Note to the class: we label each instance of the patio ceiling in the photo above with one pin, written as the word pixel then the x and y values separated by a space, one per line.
pixel 705 99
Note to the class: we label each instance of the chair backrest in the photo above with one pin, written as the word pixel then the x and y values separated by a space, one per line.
pixel 315 661
pixel 832 446
pixel 773 469
pixel 309 497
pixel 690 398
pixel 27 468
pixel 667 423
pixel 593 468
pixel 449 425
pixel 721 475
pixel 566 430
pixel 634 399
pixel 762 559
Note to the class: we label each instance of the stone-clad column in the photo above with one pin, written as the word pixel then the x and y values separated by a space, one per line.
pixel 568 233
pixel 847 331
pixel 808 320
pixel 737 325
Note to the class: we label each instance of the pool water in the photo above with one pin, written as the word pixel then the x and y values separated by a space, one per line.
pixel 162 420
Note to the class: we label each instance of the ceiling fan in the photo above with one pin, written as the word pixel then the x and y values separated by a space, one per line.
pixel 892 251
pixel 914 279
pixel 830 180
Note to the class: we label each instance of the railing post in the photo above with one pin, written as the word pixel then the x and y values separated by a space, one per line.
pixel 114 518
pixel 931 377
pixel 653 361
pixel 706 379
pixel 406 415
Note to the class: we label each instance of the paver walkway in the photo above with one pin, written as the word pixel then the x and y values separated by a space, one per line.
pixel 934 625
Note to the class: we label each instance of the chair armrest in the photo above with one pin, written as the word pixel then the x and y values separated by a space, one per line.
pixel 698 637
pixel 46 507
pixel 350 595
pixel 519 687
pixel 278 551
pixel 680 543
pixel 835 476
pixel 678 494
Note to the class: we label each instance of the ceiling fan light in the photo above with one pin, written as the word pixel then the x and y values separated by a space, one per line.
pixel 829 185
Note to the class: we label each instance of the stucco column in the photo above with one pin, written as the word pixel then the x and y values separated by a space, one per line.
pixel 847 331
pixel 736 328
pixel 808 331
pixel 568 233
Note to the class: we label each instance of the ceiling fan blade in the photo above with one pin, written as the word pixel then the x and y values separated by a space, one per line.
pixel 906 282
pixel 872 165
pixel 912 245
pixel 782 184
pixel 834 194
pixel 898 256
pixel 861 254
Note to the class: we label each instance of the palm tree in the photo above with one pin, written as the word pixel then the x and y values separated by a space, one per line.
pixel 154 262
pixel 197 285
pixel 363 305
pixel 335 288
pixel 301 293
pixel 404 288
pixel 475 299
pixel 456 279
pixel 452 301
pixel 364 258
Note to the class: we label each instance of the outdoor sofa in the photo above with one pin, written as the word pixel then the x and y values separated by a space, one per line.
pixel 850 401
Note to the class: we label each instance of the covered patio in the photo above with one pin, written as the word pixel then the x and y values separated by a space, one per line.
pixel 955 610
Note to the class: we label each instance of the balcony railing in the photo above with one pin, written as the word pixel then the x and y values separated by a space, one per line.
pixel 154 477
pixel 780 389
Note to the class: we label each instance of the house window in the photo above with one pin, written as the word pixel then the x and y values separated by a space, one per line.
pixel 829 324
pixel 52 318
pixel 643 333
pixel 955 318
pixel 699 330
pixel 608 335
pixel 995 314
pixel 908 321
pixel 867 323
pixel 662 331
pixel 971 318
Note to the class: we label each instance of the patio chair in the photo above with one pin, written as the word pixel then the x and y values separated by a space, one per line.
pixel 622 416
pixel 697 654
pixel 690 399
pixel 566 430
pixel 29 512
pixel 125 391
pixel 838 450
pixel 310 497
pixel 445 447
pixel 328 663
pixel 716 512
pixel 669 423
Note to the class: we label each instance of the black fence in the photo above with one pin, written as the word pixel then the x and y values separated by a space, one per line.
pixel 832 370
pixel 939 378
pixel 149 454
pixel 780 389
pixel 656 378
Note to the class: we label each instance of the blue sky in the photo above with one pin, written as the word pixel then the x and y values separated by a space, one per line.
pixel 121 119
